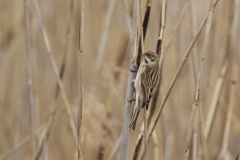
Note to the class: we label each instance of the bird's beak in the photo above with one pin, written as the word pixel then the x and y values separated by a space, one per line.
pixel 141 54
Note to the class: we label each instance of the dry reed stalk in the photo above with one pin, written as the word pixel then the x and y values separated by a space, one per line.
pixel 193 24
pixel 127 17
pixel 46 131
pixel 156 146
pixel 130 90
pixel 115 148
pixel 169 147
pixel 56 73
pixel 102 45
pixel 190 130
pixel 196 100
pixel 30 75
pixel 145 111
pixel 144 27
pixel 219 84
pixel 235 119
pixel 80 84
pixel 234 74
pixel 127 113
pixel 195 139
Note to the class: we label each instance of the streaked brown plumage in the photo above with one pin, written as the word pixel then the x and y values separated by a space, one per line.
pixel 145 82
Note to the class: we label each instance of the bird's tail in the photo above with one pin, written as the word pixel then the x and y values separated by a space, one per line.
pixel 133 121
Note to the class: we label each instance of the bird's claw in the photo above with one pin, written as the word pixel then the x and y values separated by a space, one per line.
pixel 131 100
pixel 133 69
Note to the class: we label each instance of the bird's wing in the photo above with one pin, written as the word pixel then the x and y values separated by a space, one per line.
pixel 146 84
pixel 151 81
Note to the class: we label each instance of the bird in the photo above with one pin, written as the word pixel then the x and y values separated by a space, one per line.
pixel 145 83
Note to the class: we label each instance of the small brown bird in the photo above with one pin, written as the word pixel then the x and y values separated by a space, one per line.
pixel 145 82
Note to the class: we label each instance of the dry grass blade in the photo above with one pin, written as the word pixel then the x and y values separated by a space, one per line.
pixel 230 113
pixel 193 24
pixel 143 33
pixel 195 139
pixel 156 146
pixel 127 17
pixel 169 147
pixel 80 83
pixel 30 81
pixel 115 148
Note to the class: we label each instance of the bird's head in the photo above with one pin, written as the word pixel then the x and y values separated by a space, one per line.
pixel 150 56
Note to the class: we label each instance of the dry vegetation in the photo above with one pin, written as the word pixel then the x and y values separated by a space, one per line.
pixel 198 97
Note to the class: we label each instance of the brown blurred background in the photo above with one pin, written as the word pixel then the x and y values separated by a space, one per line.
pixel 105 81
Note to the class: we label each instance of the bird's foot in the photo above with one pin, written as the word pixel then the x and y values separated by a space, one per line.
pixel 131 100
pixel 133 69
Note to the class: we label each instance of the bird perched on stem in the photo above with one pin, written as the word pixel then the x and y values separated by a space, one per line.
pixel 145 83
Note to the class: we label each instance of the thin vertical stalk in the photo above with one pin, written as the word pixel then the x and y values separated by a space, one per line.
pixel 145 111
pixel 193 23
pixel 30 76
pixel 127 113
pixel 130 89
pixel 80 70
pixel 232 97
pixel 115 148
pixel 127 17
